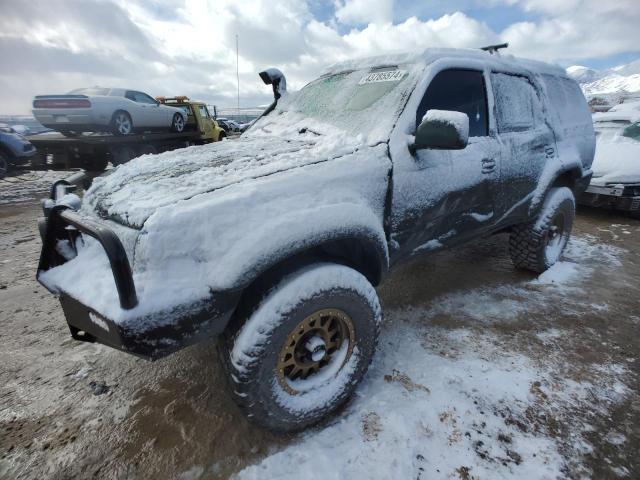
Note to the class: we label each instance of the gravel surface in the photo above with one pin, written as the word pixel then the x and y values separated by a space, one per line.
pixel 75 410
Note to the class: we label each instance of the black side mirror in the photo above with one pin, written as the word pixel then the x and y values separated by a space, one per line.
pixel 442 129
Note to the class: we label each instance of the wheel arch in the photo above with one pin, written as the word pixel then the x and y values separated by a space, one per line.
pixel 568 176
pixel 8 153
pixel 364 253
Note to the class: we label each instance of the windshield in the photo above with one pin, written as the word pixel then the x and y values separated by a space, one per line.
pixel 363 101
pixel 615 129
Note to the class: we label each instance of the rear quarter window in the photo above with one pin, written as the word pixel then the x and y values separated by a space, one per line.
pixel 566 98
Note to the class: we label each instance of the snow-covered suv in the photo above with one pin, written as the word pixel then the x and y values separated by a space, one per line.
pixel 275 241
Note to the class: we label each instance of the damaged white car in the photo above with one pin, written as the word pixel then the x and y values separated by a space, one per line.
pixel 277 240
pixel 616 167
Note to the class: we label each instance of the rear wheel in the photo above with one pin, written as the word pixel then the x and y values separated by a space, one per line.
pixel 222 136
pixel 299 353
pixel 539 245
pixel 177 124
pixel 4 165
pixel 121 123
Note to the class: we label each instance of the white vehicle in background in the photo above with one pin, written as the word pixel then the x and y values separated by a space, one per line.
pixel 616 167
pixel 98 109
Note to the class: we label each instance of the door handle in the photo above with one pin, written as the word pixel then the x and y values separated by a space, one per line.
pixel 488 165
pixel 549 151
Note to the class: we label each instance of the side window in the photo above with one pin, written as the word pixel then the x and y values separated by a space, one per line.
pixel 130 95
pixel 514 97
pixel 461 91
pixel 203 111
pixel 144 98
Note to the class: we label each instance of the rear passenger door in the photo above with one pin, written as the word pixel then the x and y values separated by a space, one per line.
pixel 529 142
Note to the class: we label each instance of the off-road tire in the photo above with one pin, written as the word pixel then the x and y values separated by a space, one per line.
pixel 529 244
pixel 251 349
pixel 222 136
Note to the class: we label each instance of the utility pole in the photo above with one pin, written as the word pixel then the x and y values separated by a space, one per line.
pixel 238 76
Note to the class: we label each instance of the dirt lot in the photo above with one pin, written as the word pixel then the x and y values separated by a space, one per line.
pixel 482 372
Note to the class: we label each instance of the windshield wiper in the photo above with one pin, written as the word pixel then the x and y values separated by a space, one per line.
pixel 305 130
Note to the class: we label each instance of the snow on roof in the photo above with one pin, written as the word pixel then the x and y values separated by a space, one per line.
pixel 430 55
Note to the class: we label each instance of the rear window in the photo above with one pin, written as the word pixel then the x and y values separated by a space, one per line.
pixel 90 91
pixel 515 99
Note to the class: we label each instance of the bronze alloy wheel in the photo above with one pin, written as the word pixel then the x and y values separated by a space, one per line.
pixel 312 345
pixel 555 233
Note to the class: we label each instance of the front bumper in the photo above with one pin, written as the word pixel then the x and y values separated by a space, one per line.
pixel 619 197
pixel 149 336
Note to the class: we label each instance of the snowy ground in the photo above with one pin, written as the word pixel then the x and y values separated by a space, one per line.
pixel 469 400
pixel 25 185
pixel 481 372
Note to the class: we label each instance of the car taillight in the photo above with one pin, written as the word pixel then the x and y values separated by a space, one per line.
pixel 62 103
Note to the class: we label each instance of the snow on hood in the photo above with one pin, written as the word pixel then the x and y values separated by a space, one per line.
pixel 616 162
pixel 134 191
pixel 624 111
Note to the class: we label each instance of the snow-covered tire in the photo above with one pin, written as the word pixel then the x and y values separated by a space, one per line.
pixel 537 246
pixel 324 317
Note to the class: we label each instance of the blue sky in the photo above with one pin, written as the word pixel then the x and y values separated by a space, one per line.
pixel 168 47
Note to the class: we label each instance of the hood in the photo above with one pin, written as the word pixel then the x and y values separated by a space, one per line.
pixel 134 191
pixel 616 162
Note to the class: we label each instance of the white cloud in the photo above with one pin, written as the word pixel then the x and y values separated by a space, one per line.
pixel 576 29
pixel 167 47
pixel 353 12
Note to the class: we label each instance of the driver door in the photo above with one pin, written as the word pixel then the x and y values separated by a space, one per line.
pixel 445 196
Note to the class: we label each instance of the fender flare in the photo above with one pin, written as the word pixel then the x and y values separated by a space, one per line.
pixel 363 250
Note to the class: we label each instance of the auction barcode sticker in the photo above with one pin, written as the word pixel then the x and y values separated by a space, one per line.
pixel 386 76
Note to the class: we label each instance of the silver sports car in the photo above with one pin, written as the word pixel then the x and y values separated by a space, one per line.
pixel 98 109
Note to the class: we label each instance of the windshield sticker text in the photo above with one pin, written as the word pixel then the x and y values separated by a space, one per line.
pixel 388 76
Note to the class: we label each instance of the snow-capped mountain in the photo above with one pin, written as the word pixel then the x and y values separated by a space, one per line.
pixel 622 79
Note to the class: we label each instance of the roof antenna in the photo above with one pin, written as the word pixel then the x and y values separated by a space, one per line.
pixel 493 49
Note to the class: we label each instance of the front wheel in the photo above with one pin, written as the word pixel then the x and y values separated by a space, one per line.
pixel 177 124
pixel 300 352
pixel 539 245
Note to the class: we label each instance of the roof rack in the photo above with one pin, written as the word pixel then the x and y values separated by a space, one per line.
pixel 494 48
pixel 176 99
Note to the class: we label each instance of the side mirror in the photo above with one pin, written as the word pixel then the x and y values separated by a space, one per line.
pixel 442 129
